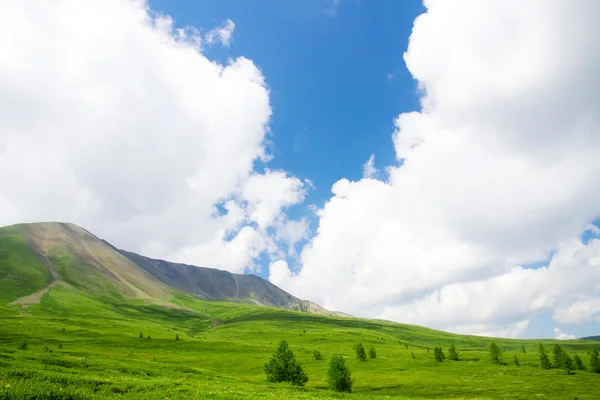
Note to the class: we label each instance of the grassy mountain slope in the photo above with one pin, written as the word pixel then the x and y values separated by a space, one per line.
pixel 83 339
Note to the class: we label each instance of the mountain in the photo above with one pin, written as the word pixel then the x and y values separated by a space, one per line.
pixel 595 338
pixel 36 257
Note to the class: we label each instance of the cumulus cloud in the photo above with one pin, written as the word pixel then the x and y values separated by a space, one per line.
pixel 560 335
pixel 498 170
pixel 115 120
pixel 221 34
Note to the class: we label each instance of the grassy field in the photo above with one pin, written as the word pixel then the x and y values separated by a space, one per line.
pixel 223 347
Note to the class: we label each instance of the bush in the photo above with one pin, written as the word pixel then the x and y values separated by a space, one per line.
pixel 177 336
pixel 141 335
pixel 360 352
pixel 412 355
pixel 516 361
pixel 339 377
pixel 23 345
pixel 283 367
pixel 317 355
pixel 60 346
pixel 47 349
pixel 452 353
pixel 495 353
pixel 372 352
pixel 438 354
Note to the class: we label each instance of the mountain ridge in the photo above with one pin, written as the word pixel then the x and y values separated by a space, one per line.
pixel 75 257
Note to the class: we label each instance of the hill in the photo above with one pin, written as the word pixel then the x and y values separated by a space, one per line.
pixel 128 335
pixel 38 256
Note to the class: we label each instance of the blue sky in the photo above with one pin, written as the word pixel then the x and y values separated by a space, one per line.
pixel 337 80
pixel 156 146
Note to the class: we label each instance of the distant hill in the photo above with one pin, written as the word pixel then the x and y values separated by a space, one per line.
pixel 596 338
pixel 35 257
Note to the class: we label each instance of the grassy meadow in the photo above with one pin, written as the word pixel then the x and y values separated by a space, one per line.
pixel 83 347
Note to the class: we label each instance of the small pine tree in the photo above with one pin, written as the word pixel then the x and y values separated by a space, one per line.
pixel 47 349
pixel 452 353
pixel 427 349
pixel 406 346
pixel 339 377
pixel 60 346
pixel 360 352
pixel 372 352
pixel 516 361
pixel 523 349
pixel 23 345
pixel 567 363
pixel 544 360
pixel 578 363
pixel 177 336
pixel 317 355
pixel 148 337
pixel 594 361
pixel 495 353
pixel 412 355
pixel 438 354
pixel 557 354
pixel 283 367
pixel 141 335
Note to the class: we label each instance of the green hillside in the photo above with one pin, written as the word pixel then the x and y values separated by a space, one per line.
pixel 83 341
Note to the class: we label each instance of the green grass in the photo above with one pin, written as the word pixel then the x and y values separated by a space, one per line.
pixel 224 346
pixel 21 273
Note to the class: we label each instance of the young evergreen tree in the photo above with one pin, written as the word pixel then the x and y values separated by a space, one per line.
pixel 438 354
pixel 452 353
pixel 412 355
pixel 544 360
pixel 578 363
pixel 141 335
pixel 495 353
pixel 339 377
pixel 360 352
pixel 567 363
pixel 60 346
pixel 557 354
pixel 594 361
pixel 283 367
pixel 516 361
pixel 372 352
pixel 317 355
pixel 523 349
pixel 177 336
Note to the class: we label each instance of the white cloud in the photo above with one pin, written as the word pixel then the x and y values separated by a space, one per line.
pixel 369 170
pixel 498 170
pixel 560 335
pixel 221 34
pixel 127 129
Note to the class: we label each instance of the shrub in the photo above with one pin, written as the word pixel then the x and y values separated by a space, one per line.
pixel 360 352
pixel 177 336
pixel 47 349
pixel 412 355
pixel 283 367
pixel 23 345
pixel 372 352
pixel 317 355
pixel 339 377
pixel 141 335
pixel 495 353
pixel 516 361
pixel 452 353
pixel 544 360
pixel 438 354
pixel 60 346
